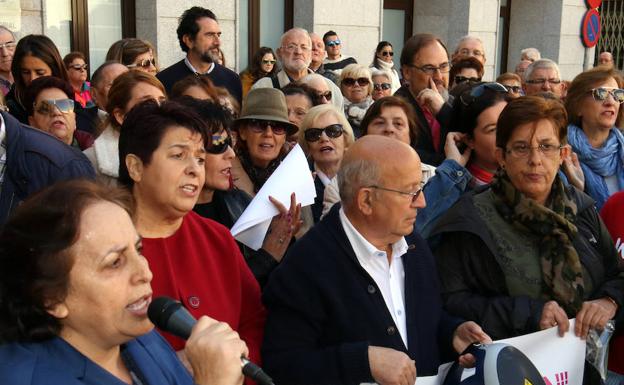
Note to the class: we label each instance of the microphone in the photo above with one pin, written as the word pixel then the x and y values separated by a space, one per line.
pixel 169 315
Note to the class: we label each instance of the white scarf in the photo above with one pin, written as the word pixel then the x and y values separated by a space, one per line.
pixel 106 148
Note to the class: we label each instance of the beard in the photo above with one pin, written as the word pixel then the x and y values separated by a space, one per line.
pixel 208 57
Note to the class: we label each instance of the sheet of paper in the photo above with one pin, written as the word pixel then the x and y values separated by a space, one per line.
pixel 292 175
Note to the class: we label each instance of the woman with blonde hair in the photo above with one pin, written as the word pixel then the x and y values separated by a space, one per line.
pixel 356 85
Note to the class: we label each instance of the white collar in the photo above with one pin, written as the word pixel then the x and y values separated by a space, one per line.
pixel 190 66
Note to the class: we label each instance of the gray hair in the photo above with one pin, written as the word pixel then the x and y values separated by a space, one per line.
pixel 311 77
pixel 355 174
pixel 532 53
pixel 296 29
pixel 541 64
pixel 468 37
pixel 3 28
pixel 378 72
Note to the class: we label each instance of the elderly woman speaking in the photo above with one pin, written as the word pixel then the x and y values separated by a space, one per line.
pixel 528 252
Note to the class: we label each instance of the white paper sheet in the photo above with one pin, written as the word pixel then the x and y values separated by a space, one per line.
pixel 292 175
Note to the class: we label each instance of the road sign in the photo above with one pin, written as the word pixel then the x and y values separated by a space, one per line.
pixel 592 4
pixel 590 28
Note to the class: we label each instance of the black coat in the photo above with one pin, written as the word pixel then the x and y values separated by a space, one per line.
pixel 324 311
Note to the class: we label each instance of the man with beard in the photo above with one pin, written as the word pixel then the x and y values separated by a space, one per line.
pixel 425 67
pixel 7 49
pixel 199 35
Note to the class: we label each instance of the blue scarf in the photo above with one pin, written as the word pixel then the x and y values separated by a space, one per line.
pixel 598 163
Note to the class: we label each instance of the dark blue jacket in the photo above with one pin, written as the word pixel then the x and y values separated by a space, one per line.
pixel 56 362
pixel 35 160
pixel 324 311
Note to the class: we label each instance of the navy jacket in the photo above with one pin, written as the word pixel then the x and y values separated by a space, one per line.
pixel 324 311
pixel 220 76
pixel 36 160
pixel 56 362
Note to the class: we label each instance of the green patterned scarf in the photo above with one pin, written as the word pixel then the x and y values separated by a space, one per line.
pixel 553 225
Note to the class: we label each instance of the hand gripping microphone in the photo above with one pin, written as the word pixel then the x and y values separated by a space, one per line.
pixel 169 315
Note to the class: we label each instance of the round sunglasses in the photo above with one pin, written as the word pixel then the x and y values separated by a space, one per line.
pixel 332 131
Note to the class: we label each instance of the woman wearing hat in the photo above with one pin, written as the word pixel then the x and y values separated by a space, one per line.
pixel 261 146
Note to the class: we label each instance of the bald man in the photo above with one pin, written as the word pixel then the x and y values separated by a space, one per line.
pixel 357 298
pixel 605 59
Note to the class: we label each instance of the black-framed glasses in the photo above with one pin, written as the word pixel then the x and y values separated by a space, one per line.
pixel 413 194
pixel 476 92
pixel 387 53
pixel 523 150
pixel 220 142
pixel 430 70
pixel 350 82
pixel 260 125
pixel 459 79
pixel 333 43
pixel 46 107
pixel 602 93
pixel 145 63
pixel 382 86
pixel 327 95
pixel 332 131
pixel 79 67
pixel 543 81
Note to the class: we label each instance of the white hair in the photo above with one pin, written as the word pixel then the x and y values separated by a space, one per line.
pixel 296 29
pixel 541 64
pixel 532 54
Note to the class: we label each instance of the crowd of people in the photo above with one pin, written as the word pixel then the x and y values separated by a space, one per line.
pixel 450 208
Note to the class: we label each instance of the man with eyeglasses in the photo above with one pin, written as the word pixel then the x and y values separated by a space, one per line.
pixel 357 298
pixel 543 76
pixel 425 67
pixel 7 49
pixel 335 61
pixel 199 35
pixel 470 46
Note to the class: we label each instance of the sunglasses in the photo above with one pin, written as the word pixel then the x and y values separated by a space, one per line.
pixel 479 90
pixel 258 126
pixel 459 79
pixel 333 43
pixel 268 62
pixel 145 63
pixel 46 107
pixel 601 93
pixel 387 53
pixel 382 86
pixel 350 82
pixel 332 131
pixel 513 89
pixel 327 95
pixel 220 143
pixel 79 67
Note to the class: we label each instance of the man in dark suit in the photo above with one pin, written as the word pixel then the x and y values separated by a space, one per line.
pixel 357 298
pixel 199 35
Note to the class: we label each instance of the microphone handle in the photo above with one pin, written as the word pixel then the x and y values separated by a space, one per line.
pixel 253 371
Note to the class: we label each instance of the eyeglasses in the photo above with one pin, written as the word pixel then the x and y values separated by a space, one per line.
pixel 258 126
pixel 79 67
pixel 522 150
pixel 542 81
pixel 601 93
pixel 292 47
pixel 513 89
pixel 220 143
pixel 430 70
pixel 265 62
pixel 478 91
pixel 332 131
pixel 46 107
pixel 333 43
pixel 145 63
pixel 469 52
pixel 387 53
pixel 350 82
pixel 414 194
pixel 459 79
pixel 10 45
pixel 327 95
pixel 382 86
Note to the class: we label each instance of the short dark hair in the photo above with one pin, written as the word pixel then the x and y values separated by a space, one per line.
pixel 215 116
pixel 44 83
pixel 462 62
pixel 294 88
pixel 417 42
pixel 464 116
pixel 36 258
pixel 70 57
pixel 188 24
pixel 98 74
pixel 377 107
pixel 201 81
pixel 146 124
pixel 328 34
pixel 531 109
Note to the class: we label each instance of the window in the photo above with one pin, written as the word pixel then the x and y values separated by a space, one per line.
pixel 397 23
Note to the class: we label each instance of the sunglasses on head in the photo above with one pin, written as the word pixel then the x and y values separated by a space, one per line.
pixel 601 94
pixel 387 53
pixel 332 131
pixel 46 107
pixel 145 63
pixel 382 86
pixel 478 91
pixel 259 126
pixel 333 43
pixel 459 79
pixel 220 143
pixel 79 67
pixel 268 61
pixel 350 82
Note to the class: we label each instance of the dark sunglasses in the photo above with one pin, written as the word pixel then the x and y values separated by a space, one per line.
pixel 220 143
pixel 79 67
pixel 145 63
pixel 387 53
pixel 513 89
pixel 332 131
pixel 459 79
pixel 478 91
pixel 601 94
pixel 333 43
pixel 268 61
pixel 350 82
pixel 382 86
pixel 46 107
pixel 327 95
pixel 259 126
